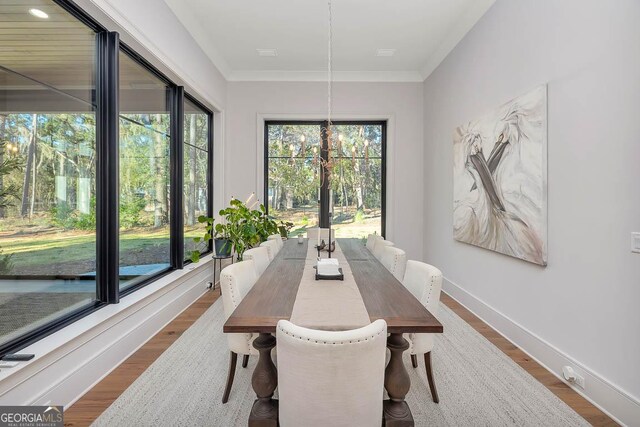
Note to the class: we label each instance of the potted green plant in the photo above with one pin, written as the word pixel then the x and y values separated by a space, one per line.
pixel 241 228
pixel 216 232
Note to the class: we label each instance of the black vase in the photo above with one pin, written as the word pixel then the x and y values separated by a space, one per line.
pixel 223 247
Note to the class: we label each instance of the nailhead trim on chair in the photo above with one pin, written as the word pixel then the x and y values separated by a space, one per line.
pixel 233 296
pixel 330 342
pixel 395 263
pixel 431 283
pixel 233 299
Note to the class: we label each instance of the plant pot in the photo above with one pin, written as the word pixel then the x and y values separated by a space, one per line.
pixel 223 247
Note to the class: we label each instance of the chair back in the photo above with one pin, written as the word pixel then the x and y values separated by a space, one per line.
pixel 278 239
pixel 395 259
pixel 331 378
pixel 424 281
pixel 260 258
pixel 371 241
pixel 312 234
pixel 379 246
pixel 272 247
pixel 236 280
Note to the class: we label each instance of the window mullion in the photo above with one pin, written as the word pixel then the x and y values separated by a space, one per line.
pixel 107 146
pixel 210 171
pixel 177 177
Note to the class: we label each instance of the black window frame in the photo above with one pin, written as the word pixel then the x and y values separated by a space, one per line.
pixel 105 97
pixel 210 158
pixel 324 191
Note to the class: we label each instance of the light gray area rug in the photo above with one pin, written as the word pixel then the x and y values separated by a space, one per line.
pixel 477 383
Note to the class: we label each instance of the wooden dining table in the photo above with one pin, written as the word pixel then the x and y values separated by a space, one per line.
pixel 273 297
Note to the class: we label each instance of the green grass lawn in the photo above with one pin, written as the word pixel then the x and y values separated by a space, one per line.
pixel 41 249
pixel 347 223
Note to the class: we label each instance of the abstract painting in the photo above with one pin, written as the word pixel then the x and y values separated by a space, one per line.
pixel 500 179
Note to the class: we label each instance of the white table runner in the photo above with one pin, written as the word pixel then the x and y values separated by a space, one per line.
pixel 332 305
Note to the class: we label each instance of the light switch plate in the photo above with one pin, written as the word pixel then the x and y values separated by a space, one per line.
pixel 635 242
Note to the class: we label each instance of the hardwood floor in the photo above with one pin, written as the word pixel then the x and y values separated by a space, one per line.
pixel 578 403
pixel 92 404
pixel 98 399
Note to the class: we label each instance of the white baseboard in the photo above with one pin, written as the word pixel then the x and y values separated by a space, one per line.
pixel 64 370
pixel 615 402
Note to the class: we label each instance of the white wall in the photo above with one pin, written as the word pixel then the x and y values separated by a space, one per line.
pixel 400 102
pixel 583 307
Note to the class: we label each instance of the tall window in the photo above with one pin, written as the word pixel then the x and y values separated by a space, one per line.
pixel 62 101
pixel 196 174
pixel 47 167
pixel 293 176
pixel 144 173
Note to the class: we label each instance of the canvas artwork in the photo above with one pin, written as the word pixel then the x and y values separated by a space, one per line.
pixel 500 179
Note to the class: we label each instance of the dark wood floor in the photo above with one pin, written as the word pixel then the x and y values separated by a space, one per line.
pixel 92 404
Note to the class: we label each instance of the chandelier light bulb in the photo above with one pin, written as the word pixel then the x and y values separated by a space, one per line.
pixel 340 137
pixel 366 142
pixel 315 150
pixel 302 138
pixel 15 148
pixel 353 149
pixel 291 147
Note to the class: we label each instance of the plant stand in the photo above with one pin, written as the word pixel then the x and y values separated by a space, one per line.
pixel 219 260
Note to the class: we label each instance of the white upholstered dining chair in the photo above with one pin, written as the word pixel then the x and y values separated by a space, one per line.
pixel 379 246
pixel 236 280
pixel 260 258
pixel 272 247
pixel 312 234
pixel 424 281
pixel 395 260
pixel 372 240
pixel 328 378
pixel 278 239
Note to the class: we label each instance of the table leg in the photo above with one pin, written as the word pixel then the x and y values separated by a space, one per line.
pixel 396 412
pixel 264 382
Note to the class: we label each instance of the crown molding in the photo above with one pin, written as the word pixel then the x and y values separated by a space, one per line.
pixel 321 76
pixel 198 33
pixel 455 35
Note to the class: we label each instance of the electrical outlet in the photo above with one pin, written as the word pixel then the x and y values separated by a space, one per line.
pixel 572 376
pixel 635 242
pixel 579 381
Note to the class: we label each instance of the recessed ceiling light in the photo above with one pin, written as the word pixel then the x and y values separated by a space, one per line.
pixel 385 52
pixel 267 52
pixel 38 13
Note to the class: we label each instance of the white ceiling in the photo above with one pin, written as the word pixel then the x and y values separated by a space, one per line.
pixel 422 32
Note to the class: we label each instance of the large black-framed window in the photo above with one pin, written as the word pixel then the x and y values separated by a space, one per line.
pixel 197 177
pixel 145 194
pixel 353 199
pixel 91 184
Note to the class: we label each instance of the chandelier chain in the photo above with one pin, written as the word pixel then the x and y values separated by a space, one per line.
pixel 329 70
